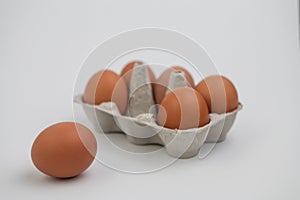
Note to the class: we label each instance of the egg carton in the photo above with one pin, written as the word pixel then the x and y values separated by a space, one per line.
pixel 139 123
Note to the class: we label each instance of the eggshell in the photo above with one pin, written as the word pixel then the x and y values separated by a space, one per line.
pixel 183 108
pixel 219 93
pixel 162 82
pixel 127 72
pixel 64 150
pixel 106 86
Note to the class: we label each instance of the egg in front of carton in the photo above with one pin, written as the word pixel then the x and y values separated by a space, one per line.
pixel 183 108
pixel 64 150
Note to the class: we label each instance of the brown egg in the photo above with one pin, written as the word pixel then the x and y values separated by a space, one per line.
pixel 161 85
pixel 105 86
pixel 127 71
pixel 64 150
pixel 183 108
pixel 219 93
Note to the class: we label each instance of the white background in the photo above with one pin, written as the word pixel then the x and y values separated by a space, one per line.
pixel 254 42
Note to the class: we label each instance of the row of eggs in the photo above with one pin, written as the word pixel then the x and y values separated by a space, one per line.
pixel 182 108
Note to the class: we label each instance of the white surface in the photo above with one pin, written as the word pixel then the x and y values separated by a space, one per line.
pixel 253 42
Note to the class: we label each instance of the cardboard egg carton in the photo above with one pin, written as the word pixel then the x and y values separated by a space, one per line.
pixel 139 123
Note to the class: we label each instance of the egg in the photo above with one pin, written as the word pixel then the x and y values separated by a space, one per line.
pixel 64 150
pixel 105 86
pixel 219 93
pixel 183 108
pixel 127 71
pixel 161 84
